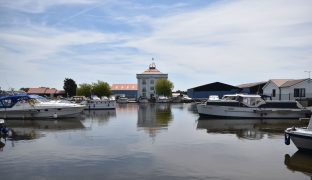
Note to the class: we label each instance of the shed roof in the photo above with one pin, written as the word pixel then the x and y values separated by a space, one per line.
pixel 216 86
pixel 248 85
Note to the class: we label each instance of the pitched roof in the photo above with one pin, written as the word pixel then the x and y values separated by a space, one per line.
pixel 292 82
pixel 51 91
pixel 286 82
pixel 247 85
pixel 280 82
pixel 152 70
pixel 36 90
pixel 133 87
pixel 43 90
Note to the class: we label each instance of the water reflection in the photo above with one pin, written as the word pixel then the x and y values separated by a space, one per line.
pixel 154 117
pixel 300 161
pixel 33 129
pixel 249 129
pixel 100 116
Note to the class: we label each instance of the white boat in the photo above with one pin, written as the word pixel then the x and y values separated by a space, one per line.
pixel 143 100
pixel 162 99
pixel 33 106
pixel 251 106
pixel 122 100
pixel 99 104
pixel 301 137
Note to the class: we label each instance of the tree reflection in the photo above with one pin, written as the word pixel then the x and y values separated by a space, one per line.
pixel 100 116
pixel 154 117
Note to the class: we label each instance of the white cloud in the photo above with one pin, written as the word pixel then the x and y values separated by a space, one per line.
pixel 39 6
pixel 233 42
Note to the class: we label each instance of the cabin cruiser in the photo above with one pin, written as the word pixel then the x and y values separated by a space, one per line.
pixel 162 99
pixel 97 103
pixel 122 100
pixel 33 106
pixel 251 106
pixel 301 137
pixel 142 100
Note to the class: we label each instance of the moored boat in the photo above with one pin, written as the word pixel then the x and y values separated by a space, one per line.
pixel 33 106
pixel 301 137
pixel 251 106
pixel 97 103
pixel 162 99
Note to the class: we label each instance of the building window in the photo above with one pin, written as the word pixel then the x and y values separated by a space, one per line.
pixel 273 92
pixel 152 88
pixel 300 92
pixel 152 81
pixel 143 81
pixel 144 89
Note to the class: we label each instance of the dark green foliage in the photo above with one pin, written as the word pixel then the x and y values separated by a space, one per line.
pixel 99 89
pixel 70 87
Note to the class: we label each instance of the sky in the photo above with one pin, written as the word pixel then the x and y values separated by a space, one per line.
pixel 196 42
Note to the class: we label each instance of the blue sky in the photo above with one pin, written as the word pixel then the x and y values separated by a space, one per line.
pixel 196 42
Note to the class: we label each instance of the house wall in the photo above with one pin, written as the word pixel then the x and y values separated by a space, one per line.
pixel 267 90
pixel 288 92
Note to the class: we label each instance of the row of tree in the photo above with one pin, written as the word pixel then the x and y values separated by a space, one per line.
pixel 101 88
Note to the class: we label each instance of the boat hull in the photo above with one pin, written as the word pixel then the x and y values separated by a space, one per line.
pixel 101 105
pixel 302 141
pixel 212 111
pixel 63 112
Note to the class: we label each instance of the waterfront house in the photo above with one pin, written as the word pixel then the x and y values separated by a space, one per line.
pixel 289 89
pixel 147 81
pixel 125 90
pixel 216 88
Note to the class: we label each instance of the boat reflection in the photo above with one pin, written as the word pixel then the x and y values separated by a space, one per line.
pixel 153 118
pixel 100 116
pixel 249 129
pixel 34 129
pixel 300 161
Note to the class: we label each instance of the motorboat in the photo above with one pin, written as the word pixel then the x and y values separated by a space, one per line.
pixel 143 100
pixel 122 100
pixel 301 137
pixel 96 103
pixel 162 99
pixel 251 106
pixel 33 106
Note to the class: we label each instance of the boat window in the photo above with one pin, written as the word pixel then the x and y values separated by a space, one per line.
pixel 251 101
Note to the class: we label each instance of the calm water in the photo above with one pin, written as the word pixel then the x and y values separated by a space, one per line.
pixel 151 142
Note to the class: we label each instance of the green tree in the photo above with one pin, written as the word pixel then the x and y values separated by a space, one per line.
pixel 101 88
pixel 70 87
pixel 84 90
pixel 164 87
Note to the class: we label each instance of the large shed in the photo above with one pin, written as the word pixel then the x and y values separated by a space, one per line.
pixel 216 88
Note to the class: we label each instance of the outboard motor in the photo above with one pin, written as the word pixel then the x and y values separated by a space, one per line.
pixel 3 129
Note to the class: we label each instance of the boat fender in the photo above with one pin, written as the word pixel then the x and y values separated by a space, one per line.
pixel 55 115
pixel 287 139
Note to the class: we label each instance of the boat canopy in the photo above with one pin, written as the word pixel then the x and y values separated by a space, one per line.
pixel 10 101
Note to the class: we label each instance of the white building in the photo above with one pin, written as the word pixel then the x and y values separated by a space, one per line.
pixel 147 81
pixel 289 89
